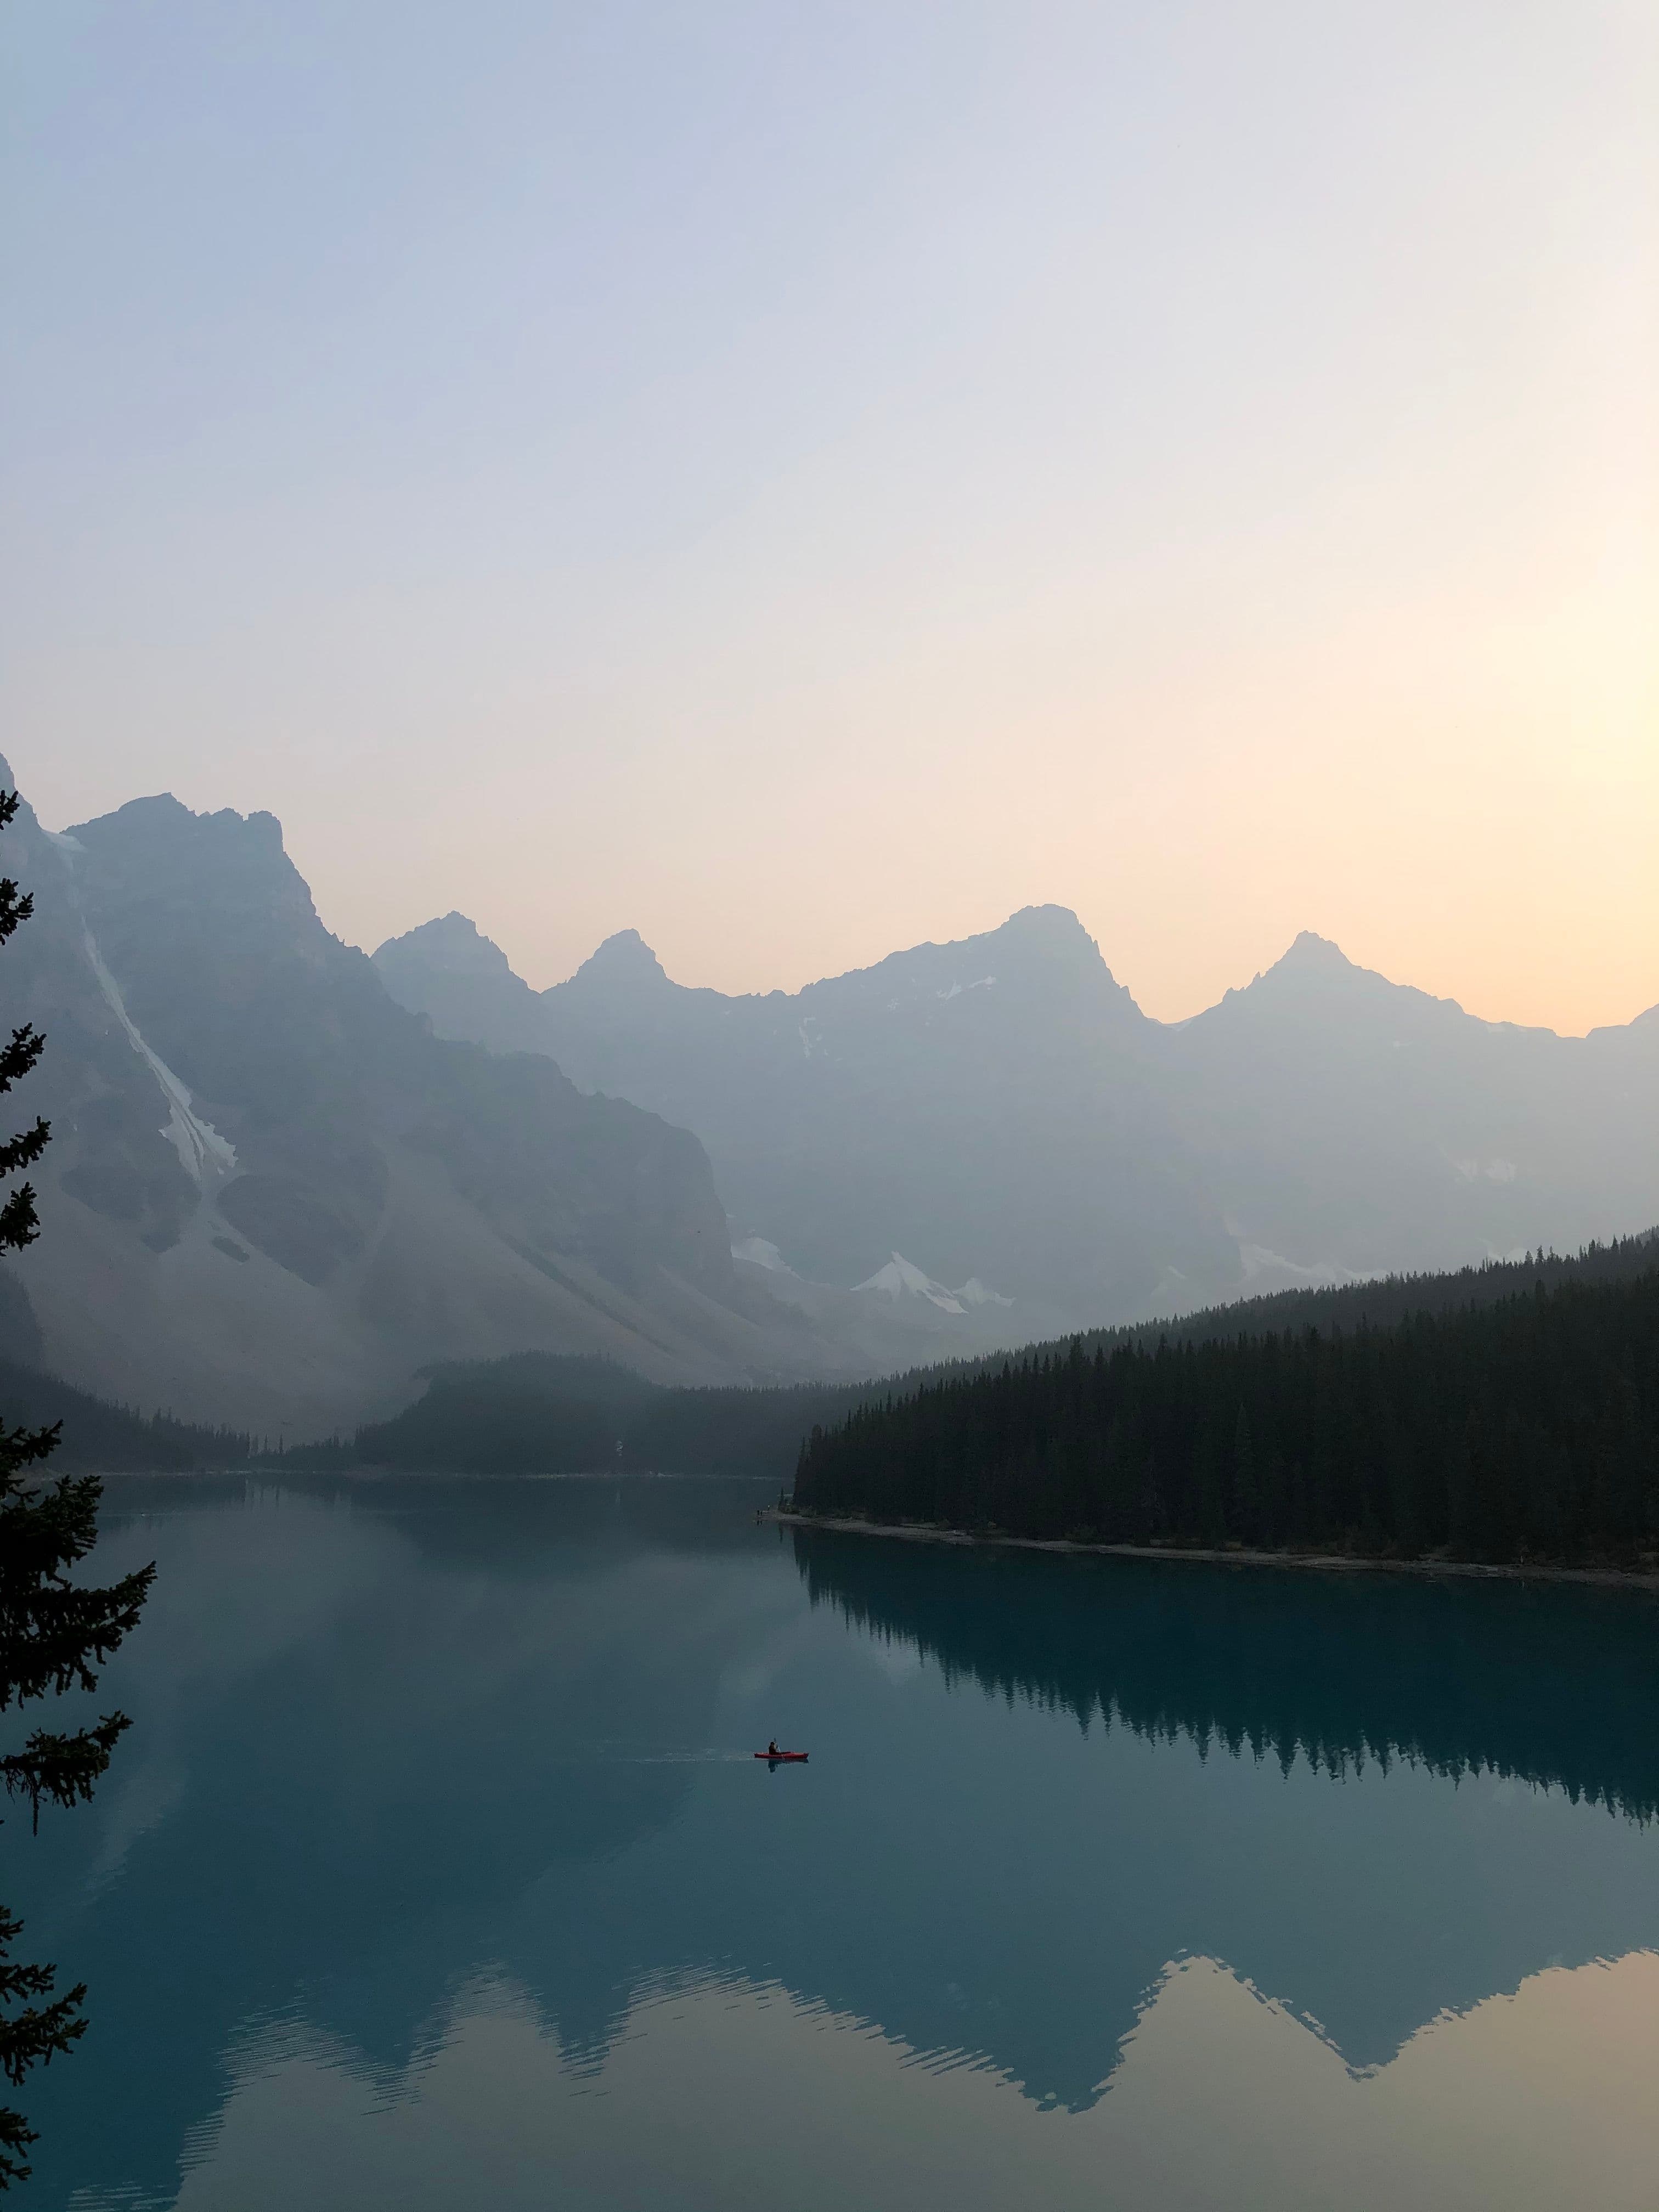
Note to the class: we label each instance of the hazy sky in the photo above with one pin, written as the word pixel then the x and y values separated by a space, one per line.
pixel 797 480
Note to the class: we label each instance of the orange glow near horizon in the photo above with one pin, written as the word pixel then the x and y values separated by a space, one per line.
pixel 800 497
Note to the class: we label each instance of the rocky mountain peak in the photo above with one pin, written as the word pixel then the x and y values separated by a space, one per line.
pixel 1310 965
pixel 1310 950
pixel 623 961
pixel 1047 949
pixel 157 851
pixel 451 944
pixel 1054 929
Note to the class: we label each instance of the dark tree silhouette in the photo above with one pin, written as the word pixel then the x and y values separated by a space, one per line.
pixel 53 1633
pixel 1525 1430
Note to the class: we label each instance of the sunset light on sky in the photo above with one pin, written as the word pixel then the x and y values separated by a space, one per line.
pixel 797 482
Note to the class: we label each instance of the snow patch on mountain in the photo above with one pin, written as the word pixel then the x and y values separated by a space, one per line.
pixel 1257 1261
pixel 975 1293
pixel 900 1279
pixel 205 1156
pixel 1493 1170
pixel 760 1252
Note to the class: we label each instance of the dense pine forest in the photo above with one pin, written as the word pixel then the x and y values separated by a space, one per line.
pixel 114 1439
pixel 1381 1300
pixel 1524 1430
pixel 1307 1473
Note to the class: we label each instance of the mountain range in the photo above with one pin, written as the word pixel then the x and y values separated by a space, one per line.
pixel 1000 1112
pixel 287 1179
pixel 273 1196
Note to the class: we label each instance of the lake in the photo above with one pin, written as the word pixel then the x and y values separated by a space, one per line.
pixel 436 1871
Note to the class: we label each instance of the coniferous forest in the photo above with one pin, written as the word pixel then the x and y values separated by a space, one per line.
pixel 1524 1431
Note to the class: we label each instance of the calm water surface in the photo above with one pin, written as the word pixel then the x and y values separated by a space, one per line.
pixel 436 1873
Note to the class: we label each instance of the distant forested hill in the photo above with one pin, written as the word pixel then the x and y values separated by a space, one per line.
pixel 1385 1299
pixel 109 1439
pixel 538 1413
pixel 1521 1427
pixel 874 1440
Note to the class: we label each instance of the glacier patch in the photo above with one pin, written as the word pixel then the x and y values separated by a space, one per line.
pixel 205 1156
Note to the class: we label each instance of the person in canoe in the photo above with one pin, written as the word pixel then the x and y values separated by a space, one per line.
pixel 772 1748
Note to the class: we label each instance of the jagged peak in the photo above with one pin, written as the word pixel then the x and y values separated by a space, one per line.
pixel 1056 925
pixel 1311 949
pixel 1035 940
pixel 901 1278
pixel 1051 940
pixel 1049 933
pixel 1316 972
pixel 159 818
pixel 453 943
pixel 624 959
pixel 1309 959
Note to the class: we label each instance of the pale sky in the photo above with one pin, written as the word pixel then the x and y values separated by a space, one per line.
pixel 799 480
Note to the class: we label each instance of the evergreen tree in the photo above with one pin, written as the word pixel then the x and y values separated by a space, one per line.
pixel 53 1633
pixel 1247 1497
pixel 1522 1428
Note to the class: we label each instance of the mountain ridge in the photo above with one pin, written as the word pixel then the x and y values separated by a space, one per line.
pixel 454 941
pixel 1241 1126
pixel 287 1175
pixel 274 1192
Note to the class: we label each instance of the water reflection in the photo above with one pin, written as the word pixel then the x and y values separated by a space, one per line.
pixel 1221 2099
pixel 1545 1683
pixel 443 1833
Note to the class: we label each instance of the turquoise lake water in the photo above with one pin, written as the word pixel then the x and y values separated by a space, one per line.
pixel 436 1872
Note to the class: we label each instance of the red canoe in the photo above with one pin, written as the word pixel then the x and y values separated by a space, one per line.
pixel 773 1757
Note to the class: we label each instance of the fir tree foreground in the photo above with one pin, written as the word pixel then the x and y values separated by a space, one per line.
pixel 53 1633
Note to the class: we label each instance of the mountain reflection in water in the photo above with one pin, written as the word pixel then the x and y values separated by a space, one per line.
pixel 438 1830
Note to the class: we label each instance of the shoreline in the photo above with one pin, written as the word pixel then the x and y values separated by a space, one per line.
pixel 1208 1555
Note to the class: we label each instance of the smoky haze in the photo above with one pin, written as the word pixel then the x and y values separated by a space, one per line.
pixel 798 485
pixel 288 1178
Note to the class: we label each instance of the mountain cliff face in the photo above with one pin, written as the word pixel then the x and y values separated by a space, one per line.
pixel 1000 1110
pixel 272 1193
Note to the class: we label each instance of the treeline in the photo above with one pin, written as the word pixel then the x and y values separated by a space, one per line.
pixel 1382 1301
pixel 541 1413
pixel 1552 1687
pixel 109 1439
pixel 547 1413
pixel 1527 1428
pixel 538 1413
